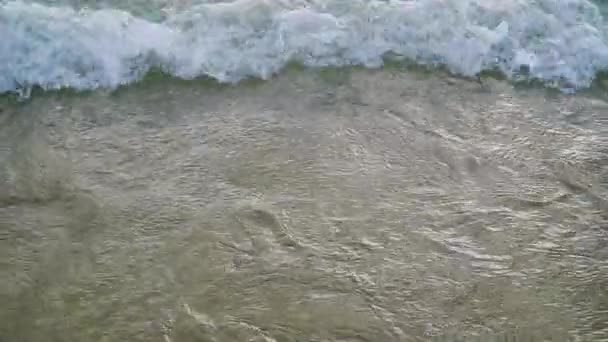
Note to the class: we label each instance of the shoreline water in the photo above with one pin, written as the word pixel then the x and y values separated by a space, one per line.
pixel 598 89
pixel 346 204
pixel 303 170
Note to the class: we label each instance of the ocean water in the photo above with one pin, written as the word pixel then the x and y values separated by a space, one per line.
pixel 88 45
pixel 303 170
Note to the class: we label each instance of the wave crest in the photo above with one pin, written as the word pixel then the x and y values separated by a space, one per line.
pixel 561 42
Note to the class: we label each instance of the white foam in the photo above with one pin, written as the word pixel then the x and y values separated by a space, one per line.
pixel 563 42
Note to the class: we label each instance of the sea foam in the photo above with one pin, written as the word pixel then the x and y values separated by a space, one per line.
pixel 563 43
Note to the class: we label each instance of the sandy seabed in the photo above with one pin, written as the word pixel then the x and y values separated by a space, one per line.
pixel 336 205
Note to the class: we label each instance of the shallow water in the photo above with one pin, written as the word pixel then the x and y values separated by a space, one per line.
pixel 332 205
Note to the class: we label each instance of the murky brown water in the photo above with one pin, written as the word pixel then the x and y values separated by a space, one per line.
pixel 320 206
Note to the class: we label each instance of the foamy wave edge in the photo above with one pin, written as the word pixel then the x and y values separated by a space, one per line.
pixel 563 43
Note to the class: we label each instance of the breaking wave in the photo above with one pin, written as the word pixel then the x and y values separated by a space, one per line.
pixel 563 43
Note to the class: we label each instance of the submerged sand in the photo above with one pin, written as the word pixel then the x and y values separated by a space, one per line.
pixel 337 205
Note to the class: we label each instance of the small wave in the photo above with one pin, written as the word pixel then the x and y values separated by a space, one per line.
pixel 563 43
